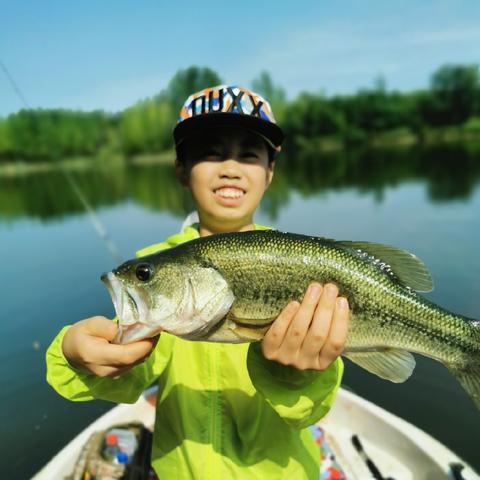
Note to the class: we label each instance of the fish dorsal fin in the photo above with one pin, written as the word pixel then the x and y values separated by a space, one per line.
pixel 390 364
pixel 406 267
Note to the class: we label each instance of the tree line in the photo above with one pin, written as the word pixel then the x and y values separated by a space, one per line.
pixel 311 120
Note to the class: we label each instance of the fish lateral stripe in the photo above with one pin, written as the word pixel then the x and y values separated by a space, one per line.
pixel 265 270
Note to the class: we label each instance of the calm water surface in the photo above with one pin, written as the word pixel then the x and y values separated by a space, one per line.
pixel 425 201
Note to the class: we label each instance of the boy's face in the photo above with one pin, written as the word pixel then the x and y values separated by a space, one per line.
pixel 227 170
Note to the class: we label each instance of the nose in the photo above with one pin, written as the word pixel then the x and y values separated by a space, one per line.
pixel 230 169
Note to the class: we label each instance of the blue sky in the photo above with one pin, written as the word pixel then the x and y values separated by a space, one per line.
pixel 108 54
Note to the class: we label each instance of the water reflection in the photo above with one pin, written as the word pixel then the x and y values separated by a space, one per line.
pixel 450 173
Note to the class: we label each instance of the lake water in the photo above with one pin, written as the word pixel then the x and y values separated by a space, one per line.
pixel 426 201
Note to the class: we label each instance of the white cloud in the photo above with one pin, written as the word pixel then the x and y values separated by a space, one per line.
pixel 452 35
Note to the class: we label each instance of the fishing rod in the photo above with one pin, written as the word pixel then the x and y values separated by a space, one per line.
pixel 14 84
pixel 95 220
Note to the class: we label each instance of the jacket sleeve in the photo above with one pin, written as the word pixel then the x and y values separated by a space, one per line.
pixel 300 397
pixel 78 386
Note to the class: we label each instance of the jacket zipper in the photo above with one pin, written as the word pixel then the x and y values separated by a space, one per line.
pixel 215 415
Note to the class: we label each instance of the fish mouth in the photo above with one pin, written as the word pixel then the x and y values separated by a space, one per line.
pixel 129 302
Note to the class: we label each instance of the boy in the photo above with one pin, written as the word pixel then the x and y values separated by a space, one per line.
pixel 223 410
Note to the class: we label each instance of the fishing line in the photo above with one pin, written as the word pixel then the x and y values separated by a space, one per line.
pixel 14 84
pixel 97 224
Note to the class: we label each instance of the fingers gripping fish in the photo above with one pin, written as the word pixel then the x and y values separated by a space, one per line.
pixel 230 287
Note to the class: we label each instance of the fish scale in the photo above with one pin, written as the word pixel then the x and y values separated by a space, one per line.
pixel 281 280
pixel 263 271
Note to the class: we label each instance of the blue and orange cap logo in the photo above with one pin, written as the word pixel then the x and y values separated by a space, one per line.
pixel 226 99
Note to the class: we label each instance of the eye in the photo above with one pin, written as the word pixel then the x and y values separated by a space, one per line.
pixel 250 154
pixel 212 153
pixel 144 272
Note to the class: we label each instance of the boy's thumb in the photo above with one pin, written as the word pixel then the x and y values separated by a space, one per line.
pixel 101 327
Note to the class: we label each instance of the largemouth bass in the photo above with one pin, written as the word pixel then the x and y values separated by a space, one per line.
pixel 230 288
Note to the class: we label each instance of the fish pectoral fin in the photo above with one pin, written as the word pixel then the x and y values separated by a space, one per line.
pixel 390 364
pixel 408 268
pixel 250 334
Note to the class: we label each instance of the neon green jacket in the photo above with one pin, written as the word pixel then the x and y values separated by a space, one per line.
pixel 223 410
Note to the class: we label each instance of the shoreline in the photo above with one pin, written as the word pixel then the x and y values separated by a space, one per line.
pixel 399 139
pixel 21 167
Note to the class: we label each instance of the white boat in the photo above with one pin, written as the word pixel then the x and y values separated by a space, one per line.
pixel 383 447
pixel 398 449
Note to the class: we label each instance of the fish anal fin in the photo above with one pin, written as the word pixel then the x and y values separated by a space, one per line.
pixel 407 268
pixel 390 364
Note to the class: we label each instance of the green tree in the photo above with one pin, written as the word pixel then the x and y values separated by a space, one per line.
pixel 374 110
pixel 185 82
pixel 4 139
pixel 274 94
pixel 312 115
pixel 53 133
pixel 454 95
pixel 147 126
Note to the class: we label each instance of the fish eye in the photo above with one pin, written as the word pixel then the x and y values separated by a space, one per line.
pixel 144 272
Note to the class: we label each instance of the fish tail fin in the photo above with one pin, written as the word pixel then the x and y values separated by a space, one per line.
pixel 469 378
pixel 469 375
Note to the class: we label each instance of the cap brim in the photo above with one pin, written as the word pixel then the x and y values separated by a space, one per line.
pixel 270 131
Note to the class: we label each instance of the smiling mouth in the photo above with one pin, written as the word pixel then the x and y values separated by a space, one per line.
pixel 229 192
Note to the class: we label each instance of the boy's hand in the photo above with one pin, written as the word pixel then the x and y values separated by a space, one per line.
pixel 310 335
pixel 86 346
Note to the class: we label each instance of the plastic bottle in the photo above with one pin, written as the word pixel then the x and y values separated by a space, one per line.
pixel 111 449
pixel 122 458
pixel 126 439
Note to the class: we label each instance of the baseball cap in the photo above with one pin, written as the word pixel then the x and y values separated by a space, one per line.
pixel 226 105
